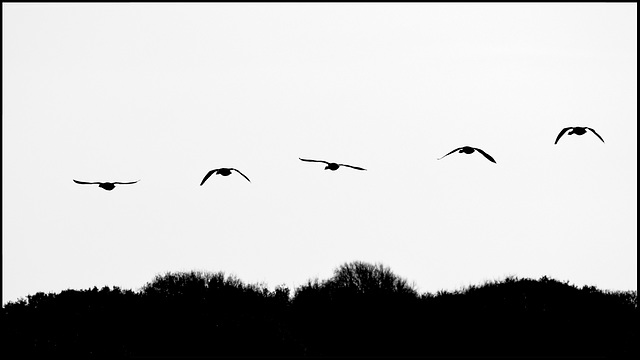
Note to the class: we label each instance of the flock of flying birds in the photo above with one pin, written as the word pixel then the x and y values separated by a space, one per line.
pixel 573 130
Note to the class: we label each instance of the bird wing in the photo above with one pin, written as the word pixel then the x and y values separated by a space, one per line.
pixel 562 133
pixel 241 174
pixel 354 167
pixel 208 176
pixel 322 161
pixel 126 183
pixel 593 131
pixel 451 152
pixel 85 183
pixel 485 155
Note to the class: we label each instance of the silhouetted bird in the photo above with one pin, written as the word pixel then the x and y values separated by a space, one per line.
pixel 105 185
pixel 223 172
pixel 333 166
pixel 578 131
pixel 470 150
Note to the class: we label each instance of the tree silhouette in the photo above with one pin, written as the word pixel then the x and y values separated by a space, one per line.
pixel 362 310
pixel 351 313
pixel 215 315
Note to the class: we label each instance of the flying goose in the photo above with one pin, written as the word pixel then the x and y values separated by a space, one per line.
pixel 333 166
pixel 105 185
pixel 223 172
pixel 470 150
pixel 578 131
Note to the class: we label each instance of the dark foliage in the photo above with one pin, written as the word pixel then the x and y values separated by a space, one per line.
pixel 545 317
pixel 200 314
pixel 70 324
pixel 362 310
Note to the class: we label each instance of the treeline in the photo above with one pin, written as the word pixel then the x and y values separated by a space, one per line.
pixel 362 310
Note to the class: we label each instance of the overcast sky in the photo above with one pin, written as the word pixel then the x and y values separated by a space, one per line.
pixel 166 92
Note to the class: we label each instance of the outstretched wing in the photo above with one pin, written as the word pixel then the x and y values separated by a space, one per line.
pixel 562 133
pixel 593 131
pixel 486 155
pixel 85 183
pixel 241 174
pixel 208 176
pixel 322 161
pixel 126 183
pixel 451 152
pixel 354 167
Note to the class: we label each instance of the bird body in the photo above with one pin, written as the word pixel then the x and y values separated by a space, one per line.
pixel 333 166
pixel 105 185
pixel 470 150
pixel 577 130
pixel 223 172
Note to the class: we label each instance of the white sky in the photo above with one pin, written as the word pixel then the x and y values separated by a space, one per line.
pixel 166 92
